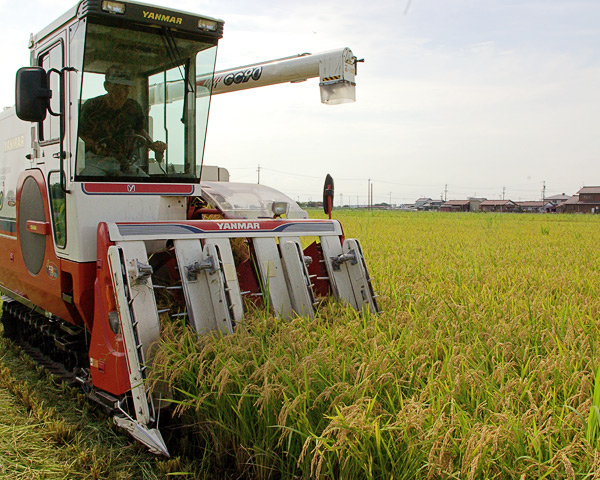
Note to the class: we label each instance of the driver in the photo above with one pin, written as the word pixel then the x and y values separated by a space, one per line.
pixel 109 126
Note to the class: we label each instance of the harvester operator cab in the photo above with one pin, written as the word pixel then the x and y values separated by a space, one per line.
pixel 140 116
pixel 120 81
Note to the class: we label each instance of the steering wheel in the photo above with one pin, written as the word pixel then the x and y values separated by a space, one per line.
pixel 129 143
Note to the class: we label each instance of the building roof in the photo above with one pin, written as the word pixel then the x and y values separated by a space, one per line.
pixel 560 196
pixel 572 200
pixel 533 204
pixel 497 203
pixel 589 190
pixel 459 203
pixel 576 199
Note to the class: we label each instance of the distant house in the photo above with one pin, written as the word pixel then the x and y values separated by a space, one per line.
pixel 456 206
pixel 567 206
pixel 427 204
pixel 475 203
pixel 433 205
pixel 498 206
pixel 557 199
pixel 421 202
pixel 535 206
pixel 587 200
pixel 407 206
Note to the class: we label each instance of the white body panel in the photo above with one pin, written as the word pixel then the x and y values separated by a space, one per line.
pixel 15 143
pixel 297 277
pixel 205 291
pixel 85 211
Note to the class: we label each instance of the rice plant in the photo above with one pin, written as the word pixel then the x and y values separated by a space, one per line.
pixel 483 364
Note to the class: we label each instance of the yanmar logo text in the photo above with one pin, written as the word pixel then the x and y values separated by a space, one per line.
pixel 161 17
pixel 239 226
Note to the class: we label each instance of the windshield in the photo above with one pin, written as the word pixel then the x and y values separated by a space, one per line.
pixel 141 117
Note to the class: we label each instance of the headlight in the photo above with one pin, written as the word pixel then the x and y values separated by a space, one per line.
pixel 113 7
pixel 209 25
pixel 280 208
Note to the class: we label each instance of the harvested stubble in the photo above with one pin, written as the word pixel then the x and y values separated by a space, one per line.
pixel 481 366
pixel 48 432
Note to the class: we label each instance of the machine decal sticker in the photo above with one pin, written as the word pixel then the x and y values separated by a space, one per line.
pixel 162 17
pixel 14 143
pixel 134 229
pixel 156 229
pixel 243 76
pixel 239 226
pixel 136 189
pixel 51 270
pixel 311 227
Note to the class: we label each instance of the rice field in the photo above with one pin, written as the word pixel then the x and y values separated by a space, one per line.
pixel 49 431
pixel 483 363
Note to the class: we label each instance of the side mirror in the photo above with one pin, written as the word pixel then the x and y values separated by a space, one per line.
pixel 328 195
pixel 32 94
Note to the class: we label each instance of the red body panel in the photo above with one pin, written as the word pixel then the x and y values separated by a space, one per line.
pixel 108 364
pixel 137 189
pixel 318 270
pixel 45 288
pixel 78 279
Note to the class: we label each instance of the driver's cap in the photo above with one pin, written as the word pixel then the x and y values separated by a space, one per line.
pixel 119 76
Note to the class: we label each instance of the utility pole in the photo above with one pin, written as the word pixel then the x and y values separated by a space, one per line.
pixel 390 199
pixel 258 170
pixel 503 192
pixel 543 190
pixel 446 193
pixel 369 194
pixel 341 199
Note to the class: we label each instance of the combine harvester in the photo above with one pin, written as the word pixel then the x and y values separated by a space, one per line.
pixel 91 228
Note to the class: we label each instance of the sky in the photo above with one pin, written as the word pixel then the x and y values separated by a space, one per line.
pixel 455 99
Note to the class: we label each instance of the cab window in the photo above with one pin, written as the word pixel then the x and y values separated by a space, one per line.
pixel 49 131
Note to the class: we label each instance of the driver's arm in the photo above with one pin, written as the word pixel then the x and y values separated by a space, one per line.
pixel 138 122
pixel 158 146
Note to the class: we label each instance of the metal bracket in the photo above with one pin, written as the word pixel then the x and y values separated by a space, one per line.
pixel 336 262
pixel 195 268
pixel 140 272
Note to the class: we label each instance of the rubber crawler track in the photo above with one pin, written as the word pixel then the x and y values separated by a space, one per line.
pixel 59 347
